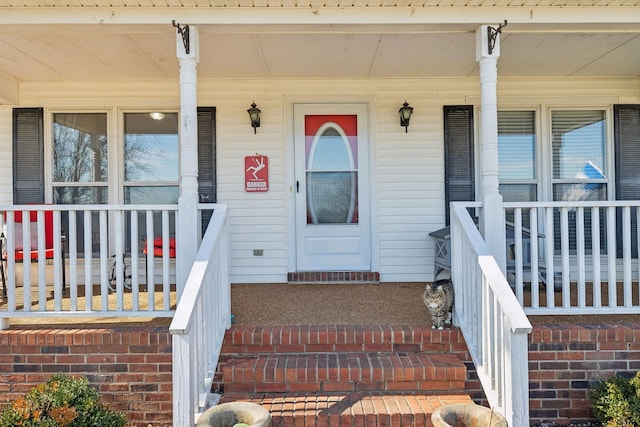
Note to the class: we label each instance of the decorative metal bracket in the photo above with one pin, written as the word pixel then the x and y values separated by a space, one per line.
pixel 184 32
pixel 492 35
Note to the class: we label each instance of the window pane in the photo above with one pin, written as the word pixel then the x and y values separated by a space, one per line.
pixel 80 195
pixel 518 192
pixel 579 192
pixel 79 147
pixel 151 195
pixel 332 198
pixel 151 147
pixel 517 144
pixel 578 139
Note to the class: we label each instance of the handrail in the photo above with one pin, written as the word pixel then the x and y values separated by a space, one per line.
pixel 202 316
pixel 492 322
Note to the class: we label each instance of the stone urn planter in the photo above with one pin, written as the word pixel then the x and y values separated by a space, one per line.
pixel 467 415
pixel 239 414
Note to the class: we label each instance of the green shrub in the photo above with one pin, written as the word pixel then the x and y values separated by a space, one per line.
pixel 61 401
pixel 616 401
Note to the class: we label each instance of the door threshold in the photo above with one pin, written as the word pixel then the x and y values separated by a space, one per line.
pixel 333 277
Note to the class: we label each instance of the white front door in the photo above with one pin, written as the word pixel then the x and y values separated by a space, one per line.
pixel 333 219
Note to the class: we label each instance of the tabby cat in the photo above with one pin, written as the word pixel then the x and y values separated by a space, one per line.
pixel 438 298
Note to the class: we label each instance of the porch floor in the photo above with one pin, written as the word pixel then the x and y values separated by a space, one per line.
pixel 366 304
pixel 308 304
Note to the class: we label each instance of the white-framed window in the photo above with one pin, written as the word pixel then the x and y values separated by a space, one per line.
pixel 140 167
pixel 577 148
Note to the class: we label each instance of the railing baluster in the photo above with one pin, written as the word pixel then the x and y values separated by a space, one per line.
pixel 548 256
pixel 41 263
pixel 88 260
pixel 519 261
pixel 118 260
pixel 72 240
pixel 57 257
pixel 104 257
pixel 151 286
pixel 166 251
pixel 611 256
pixel 566 268
pixel 626 256
pixel 135 280
pixel 595 253
pixel 580 252
pixel 535 258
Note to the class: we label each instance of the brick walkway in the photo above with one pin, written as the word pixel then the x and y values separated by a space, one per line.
pixel 352 409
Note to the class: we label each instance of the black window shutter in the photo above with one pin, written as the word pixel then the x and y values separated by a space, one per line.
pixel 28 156
pixel 207 159
pixel 626 125
pixel 458 155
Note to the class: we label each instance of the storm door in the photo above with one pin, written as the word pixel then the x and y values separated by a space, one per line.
pixel 332 187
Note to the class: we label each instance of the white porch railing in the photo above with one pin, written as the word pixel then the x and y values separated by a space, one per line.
pixel 201 319
pixel 88 261
pixel 583 261
pixel 494 325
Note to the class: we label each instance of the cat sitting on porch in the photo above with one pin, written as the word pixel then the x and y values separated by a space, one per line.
pixel 438 298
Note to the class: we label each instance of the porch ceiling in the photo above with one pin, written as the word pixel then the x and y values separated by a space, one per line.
pixel 305 42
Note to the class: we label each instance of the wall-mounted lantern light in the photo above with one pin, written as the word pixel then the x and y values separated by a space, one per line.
pixel 254 115
pixel 405 115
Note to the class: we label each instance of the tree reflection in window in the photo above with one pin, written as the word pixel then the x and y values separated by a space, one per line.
pixel 80 155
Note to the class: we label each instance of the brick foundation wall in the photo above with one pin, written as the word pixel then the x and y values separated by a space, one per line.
pixel 566 360
pixel 130 366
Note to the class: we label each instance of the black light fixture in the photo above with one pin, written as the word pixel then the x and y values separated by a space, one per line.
pixel 254 115
pixel 405 115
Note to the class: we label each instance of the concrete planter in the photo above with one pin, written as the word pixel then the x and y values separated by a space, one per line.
pixel 229 414
pixel 467 415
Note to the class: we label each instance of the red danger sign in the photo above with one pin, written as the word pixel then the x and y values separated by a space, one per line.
pixel 256 174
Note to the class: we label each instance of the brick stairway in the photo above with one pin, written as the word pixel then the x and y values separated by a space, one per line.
pixel 316 376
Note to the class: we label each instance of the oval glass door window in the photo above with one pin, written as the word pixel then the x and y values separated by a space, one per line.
pixel 332 175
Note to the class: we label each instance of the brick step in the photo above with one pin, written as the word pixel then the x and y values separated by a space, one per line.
pixel 349 409
pixel 341 339
pixel 331 372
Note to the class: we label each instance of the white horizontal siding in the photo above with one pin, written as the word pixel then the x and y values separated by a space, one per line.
pixel 6 162
pixel 407 171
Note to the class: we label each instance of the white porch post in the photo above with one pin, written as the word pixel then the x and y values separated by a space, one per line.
pixel 188 200
pixel 492 222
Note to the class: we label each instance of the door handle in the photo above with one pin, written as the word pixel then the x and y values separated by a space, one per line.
pixel 297 186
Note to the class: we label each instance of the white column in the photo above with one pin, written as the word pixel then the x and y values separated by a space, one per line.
pixel 187 202
pixel 492 222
